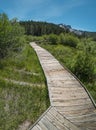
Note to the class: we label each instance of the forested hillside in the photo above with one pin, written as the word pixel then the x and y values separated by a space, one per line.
pixel 40 28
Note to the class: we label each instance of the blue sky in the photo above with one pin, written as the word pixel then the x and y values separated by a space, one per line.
pixel 80 14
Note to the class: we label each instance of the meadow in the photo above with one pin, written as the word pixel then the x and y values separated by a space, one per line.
pixel 21 102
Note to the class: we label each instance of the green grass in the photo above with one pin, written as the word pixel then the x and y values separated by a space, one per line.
pixel 19 103
pixel 26 61
pixel 92 89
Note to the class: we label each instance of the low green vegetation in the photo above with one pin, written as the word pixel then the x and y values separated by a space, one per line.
pixel 20 102
pixel 23 66
pixel 23 90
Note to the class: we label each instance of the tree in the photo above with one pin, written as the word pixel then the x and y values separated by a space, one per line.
pixel 10 32
pixel 5 29
pixel 41 28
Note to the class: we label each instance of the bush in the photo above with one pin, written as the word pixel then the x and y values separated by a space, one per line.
pixel 84 67
pixel 62 38
pixel 68 40
pixel 1 65
pixel 94 38
pixel 53 38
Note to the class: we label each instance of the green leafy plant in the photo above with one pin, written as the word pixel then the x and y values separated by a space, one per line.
pixel 53 38
pixel 84 66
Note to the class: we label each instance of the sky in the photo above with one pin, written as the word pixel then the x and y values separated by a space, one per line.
pixel 80 14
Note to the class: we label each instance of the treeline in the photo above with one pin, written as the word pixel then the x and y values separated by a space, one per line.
pixel 41 28
pixel 10 34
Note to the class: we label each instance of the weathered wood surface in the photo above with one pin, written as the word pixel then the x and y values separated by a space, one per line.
pixel 68 97
pixel 53 120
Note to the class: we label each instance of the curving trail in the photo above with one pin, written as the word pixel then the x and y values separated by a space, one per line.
pixel 72 107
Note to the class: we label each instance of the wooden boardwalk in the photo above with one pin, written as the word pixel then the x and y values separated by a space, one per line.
pixel 72 107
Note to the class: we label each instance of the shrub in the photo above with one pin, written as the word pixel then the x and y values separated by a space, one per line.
pixel 53 38
pixel 68 40
pixel 71 40
pixel 84 66
pixel 94 38
pixel 61 38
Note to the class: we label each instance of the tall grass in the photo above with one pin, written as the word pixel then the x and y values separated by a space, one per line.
pixel 19 103
pixel 27 61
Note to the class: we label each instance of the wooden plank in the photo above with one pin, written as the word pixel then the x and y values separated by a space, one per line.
pixel 86 118
pixel 69 102
pixel 66 90
pixel 66 83
pixel 77 112
pixel 55 122
pixel 64 95
pixel 75 107
pixel 86 125
pixel 38 127
pixel 54 119
pixel 48 124
pixel 42 126
pixel 35 128
pixel 61 98
pixel 57 117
